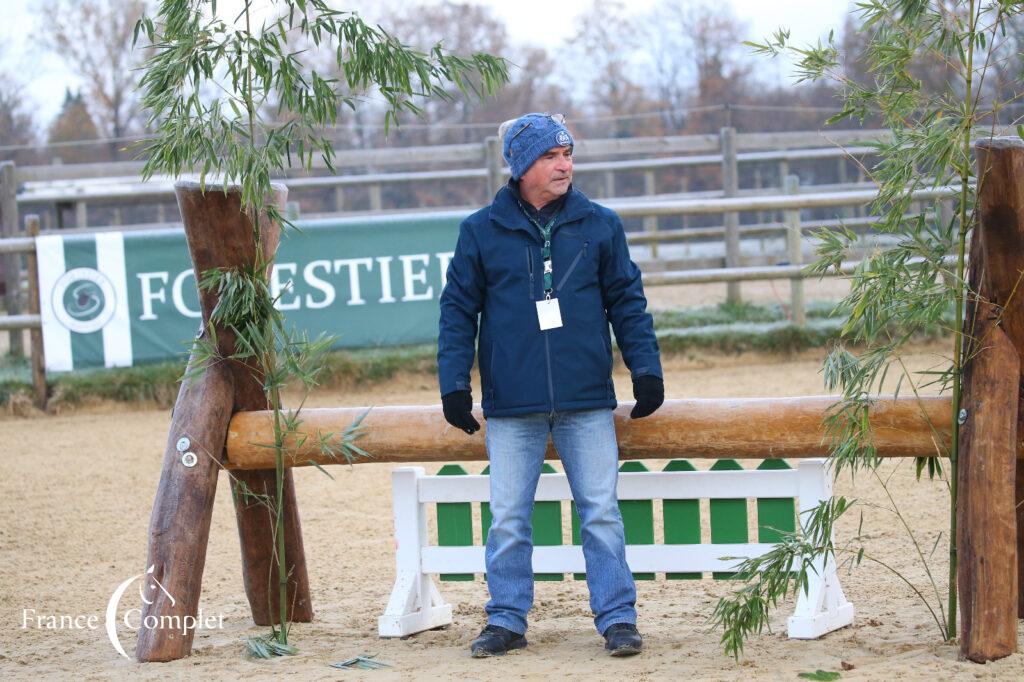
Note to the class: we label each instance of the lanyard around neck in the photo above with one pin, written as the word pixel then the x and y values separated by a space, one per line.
pixel 545 252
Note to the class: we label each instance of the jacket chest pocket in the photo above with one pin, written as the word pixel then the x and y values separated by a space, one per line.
pixel 579 265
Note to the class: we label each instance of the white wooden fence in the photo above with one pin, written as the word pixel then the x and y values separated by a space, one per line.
pixel 416 604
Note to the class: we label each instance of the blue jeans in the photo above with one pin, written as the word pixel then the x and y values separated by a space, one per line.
pixel 586 444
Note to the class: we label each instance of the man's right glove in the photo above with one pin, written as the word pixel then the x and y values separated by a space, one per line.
pixel 458 411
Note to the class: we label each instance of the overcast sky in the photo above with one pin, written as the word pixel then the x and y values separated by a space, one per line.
pixel 541 22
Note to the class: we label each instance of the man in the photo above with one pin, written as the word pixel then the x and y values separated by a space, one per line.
pixel 546 270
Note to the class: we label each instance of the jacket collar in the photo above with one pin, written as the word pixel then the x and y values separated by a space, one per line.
pixel 505 210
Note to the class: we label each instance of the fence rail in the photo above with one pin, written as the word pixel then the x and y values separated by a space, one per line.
pixel 77 185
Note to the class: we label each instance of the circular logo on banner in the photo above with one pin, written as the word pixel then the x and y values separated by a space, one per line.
pixel 83 300
pixel 563 139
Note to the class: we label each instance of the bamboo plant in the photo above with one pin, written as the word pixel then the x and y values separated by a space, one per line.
pixel 237 103
pixel 898 290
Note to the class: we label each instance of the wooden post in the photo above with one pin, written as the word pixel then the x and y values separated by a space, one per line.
pixel 987 533
pixel 684 187
pixel 12 262
pixel 842 177
pixel 218 235
pixel 36 333
pixel 783 172
pixel 492 154
pixel 81 214
pixel 758 185
pixel 376 201
pixel 179 528
pixel 730 186
pixel 795 246
pixel 650 221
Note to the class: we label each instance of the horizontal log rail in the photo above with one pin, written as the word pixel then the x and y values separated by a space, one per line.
pixel 746 428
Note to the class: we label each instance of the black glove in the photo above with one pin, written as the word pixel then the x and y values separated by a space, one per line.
pixel 649 392
pixel 458 411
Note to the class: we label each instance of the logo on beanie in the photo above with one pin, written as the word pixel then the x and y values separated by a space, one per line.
pixel 563 138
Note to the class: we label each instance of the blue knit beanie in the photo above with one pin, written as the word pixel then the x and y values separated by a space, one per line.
pixel 529 136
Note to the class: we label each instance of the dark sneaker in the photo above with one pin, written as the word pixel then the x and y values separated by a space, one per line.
pixel 622 639
pixel 495 640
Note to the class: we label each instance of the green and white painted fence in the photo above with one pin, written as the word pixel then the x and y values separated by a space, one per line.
pixel 115 299
pixel 777 489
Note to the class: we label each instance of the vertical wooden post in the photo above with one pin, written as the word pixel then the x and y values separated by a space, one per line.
pixel 987 533
pixel 783 172
pixel 81 214
pixel 376 200
pixel 492 155
pixel 842 177
pixel 684 187
pixel 730 187
pixel 36 333
pixel 12 262
pixel 650 221
pixel 218 235
pixel 795 246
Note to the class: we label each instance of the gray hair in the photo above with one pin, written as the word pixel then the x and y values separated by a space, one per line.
pixel 503 128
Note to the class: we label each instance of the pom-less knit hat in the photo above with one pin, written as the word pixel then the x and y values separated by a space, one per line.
pixel 524 139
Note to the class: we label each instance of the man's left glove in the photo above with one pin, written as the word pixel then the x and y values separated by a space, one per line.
pixel 458 411
pixel 649 392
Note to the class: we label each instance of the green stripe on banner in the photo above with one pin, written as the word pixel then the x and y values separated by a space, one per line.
pixel 637 518
pixel 775 515
pixel 682 520
pixel 86 349
pixel 576 538
pixel 547 526
pixel 728 517
pixel 454 522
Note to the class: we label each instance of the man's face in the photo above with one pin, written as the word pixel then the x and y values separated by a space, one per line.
pixel 549 176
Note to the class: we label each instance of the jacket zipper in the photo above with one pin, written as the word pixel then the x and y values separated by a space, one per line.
pixel 551 385
pixel 572 266
pixel 547 343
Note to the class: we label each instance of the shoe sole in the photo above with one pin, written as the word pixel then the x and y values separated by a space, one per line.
pixel 625 651
pixel 483 653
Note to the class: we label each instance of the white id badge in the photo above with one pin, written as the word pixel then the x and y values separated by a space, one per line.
pixel 548 314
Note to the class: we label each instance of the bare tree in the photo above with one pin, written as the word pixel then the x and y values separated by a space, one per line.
pixel 94 38
pixel 604 50
pixel 697 57
pixel 467 28
pixel 17 126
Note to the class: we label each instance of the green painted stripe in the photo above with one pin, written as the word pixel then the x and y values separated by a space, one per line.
pixel 682 520
pixel 454 523
pixel 86 349
pixel 576 538
pixel 547 526
pixel 547 523
pixel 775 515
pixel 728 517
pixel 637 518
pixel 485 513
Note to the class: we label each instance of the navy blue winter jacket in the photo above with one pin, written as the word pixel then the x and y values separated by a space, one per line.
pixel 497 273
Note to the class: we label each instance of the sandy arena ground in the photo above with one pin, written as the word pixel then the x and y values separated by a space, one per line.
pixel 75 497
